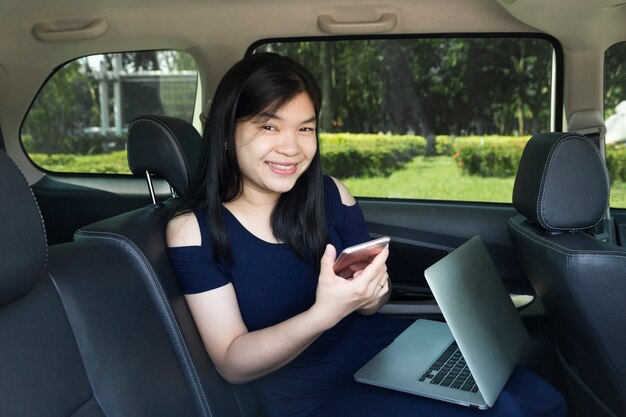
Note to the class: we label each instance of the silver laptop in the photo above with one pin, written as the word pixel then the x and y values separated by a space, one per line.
pixel 481 320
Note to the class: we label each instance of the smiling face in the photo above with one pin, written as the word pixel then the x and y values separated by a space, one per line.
pixel 275 149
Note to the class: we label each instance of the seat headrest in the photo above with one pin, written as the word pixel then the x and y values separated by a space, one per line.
pixel 166 146
pixel 562 182
pixel 23 247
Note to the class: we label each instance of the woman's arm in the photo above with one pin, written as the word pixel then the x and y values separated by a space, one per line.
pixel 241 356
pixel 348 199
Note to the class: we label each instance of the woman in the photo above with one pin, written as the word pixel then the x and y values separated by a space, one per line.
pixel 253 246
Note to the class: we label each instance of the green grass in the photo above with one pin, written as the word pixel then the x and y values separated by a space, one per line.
pixel 438 178
pixel 433 178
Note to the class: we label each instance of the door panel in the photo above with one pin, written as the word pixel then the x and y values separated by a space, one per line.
pixel 68 203
pixel 424 232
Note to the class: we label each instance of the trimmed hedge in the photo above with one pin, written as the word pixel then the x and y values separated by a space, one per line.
pixel 489 156
pixel 111 163
pixel 444 145
pixel 343 155
pixel 498 156
pixel 347 155
pixel 83 144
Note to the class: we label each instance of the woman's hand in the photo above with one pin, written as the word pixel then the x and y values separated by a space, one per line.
pixel 337 297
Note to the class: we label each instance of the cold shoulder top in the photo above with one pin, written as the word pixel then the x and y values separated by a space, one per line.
pixel 273 284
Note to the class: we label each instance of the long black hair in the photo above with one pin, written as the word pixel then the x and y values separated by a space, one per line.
pixel 259 83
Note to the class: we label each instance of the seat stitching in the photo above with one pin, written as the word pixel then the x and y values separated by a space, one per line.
pixel 157 286
pixel 592 327
pixel 551 157
pixel 576 295
pixel 567 251
pixel 80 352
pixel 176 143
pixel 166 307
pixel 43 224
pixel 544 174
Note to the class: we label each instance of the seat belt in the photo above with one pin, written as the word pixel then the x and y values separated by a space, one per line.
pixel 590 123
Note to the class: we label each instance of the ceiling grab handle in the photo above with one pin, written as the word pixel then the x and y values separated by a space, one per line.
pixel 60 32
pixel 328 24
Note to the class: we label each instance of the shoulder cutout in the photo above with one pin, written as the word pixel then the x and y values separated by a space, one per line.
pixel 183 230
pixel 346 196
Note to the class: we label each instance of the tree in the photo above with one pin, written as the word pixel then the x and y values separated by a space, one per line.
pixel 403 104
pixel 614 78
pixel 454 86
pixel 63 107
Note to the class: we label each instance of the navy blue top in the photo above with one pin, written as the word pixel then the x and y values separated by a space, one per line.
pixel 272 284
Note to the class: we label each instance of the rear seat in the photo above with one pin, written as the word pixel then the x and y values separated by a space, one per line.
pixel 79 334
pixel 99 327
pixel 169 147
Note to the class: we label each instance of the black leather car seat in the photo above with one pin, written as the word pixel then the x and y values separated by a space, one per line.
pixel 562 191
pixel 79 335
pixel 169 147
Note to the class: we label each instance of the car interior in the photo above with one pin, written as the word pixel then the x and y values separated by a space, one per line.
pixel 92 319
pixel 584 313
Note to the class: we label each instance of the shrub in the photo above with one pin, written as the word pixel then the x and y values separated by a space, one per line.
pixel 489 156
pixel 112 163
pixel 616 163
pixel 83 144
pixel 444 145
pixel 347 155
pixel 93 144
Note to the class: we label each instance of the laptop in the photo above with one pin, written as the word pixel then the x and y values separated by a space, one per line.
pixel 482 323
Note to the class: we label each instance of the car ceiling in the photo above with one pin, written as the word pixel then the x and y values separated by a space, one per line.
pixel 217 33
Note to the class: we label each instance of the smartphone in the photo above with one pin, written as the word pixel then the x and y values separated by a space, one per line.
pixel 363 252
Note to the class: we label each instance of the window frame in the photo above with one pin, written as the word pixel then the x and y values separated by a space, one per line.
pixel 557 80
pixel 196 111
pixel 610 208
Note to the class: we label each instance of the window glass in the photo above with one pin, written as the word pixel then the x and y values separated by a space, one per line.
pixel 79 120
pixel 615 121
pixel 428 118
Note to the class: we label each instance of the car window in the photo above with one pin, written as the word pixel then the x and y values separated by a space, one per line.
pixel 615 121
pixel 428 118
pixel 79 120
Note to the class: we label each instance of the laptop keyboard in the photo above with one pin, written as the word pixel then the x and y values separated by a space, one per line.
pixel 450 370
